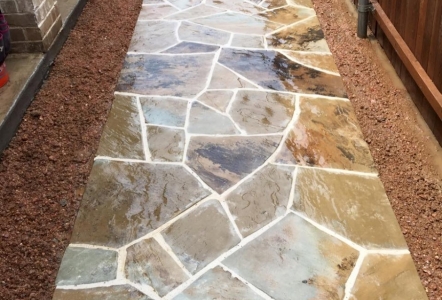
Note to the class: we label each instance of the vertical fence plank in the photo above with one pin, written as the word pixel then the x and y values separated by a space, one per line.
pixel 434 40
pixel 423 7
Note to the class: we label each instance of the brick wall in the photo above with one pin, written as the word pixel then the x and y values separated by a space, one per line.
pixel 34 24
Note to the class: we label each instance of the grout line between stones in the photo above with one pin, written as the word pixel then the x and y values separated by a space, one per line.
pixel 331 170
pixel 308 66
pixel 147 154
pixel 122 254
pixel 292 189
pixel 145 289
pixel 231 218
pixel 88 246
pixel 160 239
pixel 353 276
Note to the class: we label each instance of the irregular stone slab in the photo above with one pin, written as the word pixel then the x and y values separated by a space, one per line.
pixel 217 284
pixel 153 36
pixel 323 61
pixel 295 258
pixel 238 23
pixel 327 135
pixel 153 12
pixel 287 15
pixel 202 34
pixel 223 161
pixel 195 12
pixel 148 264
pixel 247 41
pixel 183 4
pixel 189 47
pixel 303 36
pixel 216 99
pixel 353 206
pixel 83 265
pixel 165 75
pixel 236 6
pixel 152 1
pixel 121 136
pixel 205 120
pixel 388 277
pixel 116 292
pixel 271 4
pixel 261 199
pixel 223 78
pixel 306 3
pixel 261 112
pixel 201 236
pixel 164 111
pixel 125 201
pixel 274 71
pixel 165 144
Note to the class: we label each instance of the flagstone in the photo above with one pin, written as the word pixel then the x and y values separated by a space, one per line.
pixel 353 206
pixel 205 120
pixel 121 137
pixel 164 75
pixel 260 199
pixel 272 70
pixel 183 4
pixel 199 11
pixel 83 265
pixel 164 111
pixel 201 236
pixel 223 78
pixel 153 36
pixel 247 41
pixel 217 99
pixel 262 112
pixel 271 4
pixel 202 34
pixel 322 61
pixel 165 144
pixel 287 15
pixel 295 260
pixel 189 47
pixel 326 135
pixel 306 3
pixel 388 277
pixel 159 11
pixel 217 284
pixel 303 36
pixel 147 2
pixel 238 23
pixel 148 264
pixel 115 292
pixel 223 161
pixel 236 6
pixel 124 201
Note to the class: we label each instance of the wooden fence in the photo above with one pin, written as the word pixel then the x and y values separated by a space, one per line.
pixel 410 31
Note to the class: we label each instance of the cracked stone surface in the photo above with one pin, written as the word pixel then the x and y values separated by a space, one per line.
pixel 232 167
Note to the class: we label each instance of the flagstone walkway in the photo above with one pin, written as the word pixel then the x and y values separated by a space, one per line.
pixel 232 167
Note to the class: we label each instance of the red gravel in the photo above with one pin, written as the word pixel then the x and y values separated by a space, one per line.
pixel 408 160
pixel 45 168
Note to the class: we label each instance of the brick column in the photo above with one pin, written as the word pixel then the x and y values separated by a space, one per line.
pixel 34 23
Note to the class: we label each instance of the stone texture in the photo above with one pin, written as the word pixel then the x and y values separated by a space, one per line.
pixel 124 201
pixel 195 12
pixel 217 284
pixel 322 61
pixel 153 36
pixel 238 23
pixel 353 206
pixel 303 36
pixel 388 277
pixel 327 135
pixel 261 199
pixel 189 47
pixel 82 265
pixel 217 99
pixel 287 15
pixel 306 3
pixel 121 136
pixel 236 6
pixel 183 4
pixel 272 70
pixel 153 12
pixel 205 120
pixel 295 258
pixel 165 144
pixel 148 264
pixel 202 34
pixel 181 76
pixel 164 111
pixel 223 161
pixel 271 4
pixel 223 78
pixel 201 236
pixel 247 41
pixel 262 112
pixel 116 292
